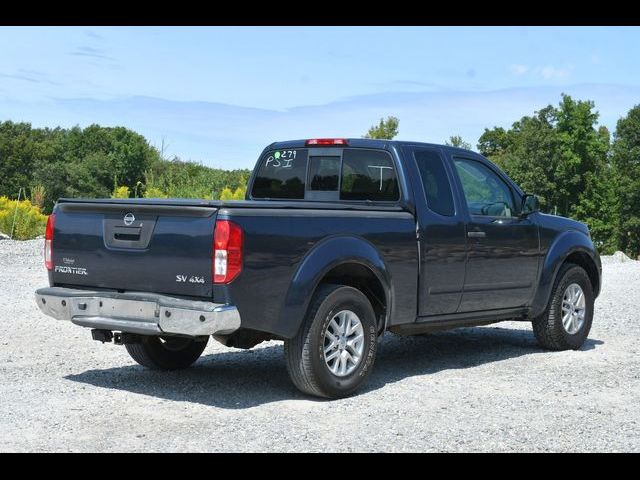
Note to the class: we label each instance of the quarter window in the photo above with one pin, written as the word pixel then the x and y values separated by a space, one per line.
pixel 282 175
pixel 437 188
pixel 486 193
pixel 368 175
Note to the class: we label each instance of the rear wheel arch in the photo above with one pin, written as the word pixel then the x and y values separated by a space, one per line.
pixel 363 278
pixel 345 259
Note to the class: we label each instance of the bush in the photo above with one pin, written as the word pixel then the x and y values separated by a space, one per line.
pixel 240 193
pixel 29 221
pixel 154 192
pixel 120 192
pixel 228 194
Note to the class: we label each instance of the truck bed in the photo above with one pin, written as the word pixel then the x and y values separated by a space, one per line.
pixel 169 246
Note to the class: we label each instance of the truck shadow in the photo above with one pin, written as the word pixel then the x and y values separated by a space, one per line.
pixel 241 379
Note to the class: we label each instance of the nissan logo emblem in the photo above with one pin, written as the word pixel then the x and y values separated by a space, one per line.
pixel 129 219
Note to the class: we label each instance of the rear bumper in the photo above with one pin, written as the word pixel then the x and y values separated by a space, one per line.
pixel 138 312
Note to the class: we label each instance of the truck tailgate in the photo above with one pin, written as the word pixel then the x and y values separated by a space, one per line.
pixel 161 246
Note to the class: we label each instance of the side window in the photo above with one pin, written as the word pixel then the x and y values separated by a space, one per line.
pixel 437 188
pixel 368 175
pixel 486 193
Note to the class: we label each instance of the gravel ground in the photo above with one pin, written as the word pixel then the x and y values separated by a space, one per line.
pixel 474 389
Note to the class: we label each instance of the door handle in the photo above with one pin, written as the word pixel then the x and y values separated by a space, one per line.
pixel 476 234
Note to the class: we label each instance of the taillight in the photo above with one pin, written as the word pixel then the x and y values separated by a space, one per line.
pixel 48 242
pixel 227 251
pixel 327 141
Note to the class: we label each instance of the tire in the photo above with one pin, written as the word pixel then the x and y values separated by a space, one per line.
pixel 305 353
pixel 548 328
pixel 167 353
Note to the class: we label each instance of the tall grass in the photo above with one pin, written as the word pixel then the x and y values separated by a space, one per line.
pixel 29 221
pixel 175 179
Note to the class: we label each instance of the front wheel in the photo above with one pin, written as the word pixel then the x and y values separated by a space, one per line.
pixel 567 321
pixel 167 353
pixel 334 351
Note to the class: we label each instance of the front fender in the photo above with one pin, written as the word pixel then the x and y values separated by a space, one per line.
pixel 326 255
pixel 563 246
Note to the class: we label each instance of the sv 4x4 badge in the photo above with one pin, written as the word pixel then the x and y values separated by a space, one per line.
pixel 191 279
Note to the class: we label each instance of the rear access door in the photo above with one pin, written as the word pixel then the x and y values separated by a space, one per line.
pixel 146 246
pixel 440 230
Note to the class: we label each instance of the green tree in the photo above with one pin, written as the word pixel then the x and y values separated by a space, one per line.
pixel 626 160
pixel 526 153
pixel 582 150
pixel 561 155
pixel 457 141
pixel 17 157
pixel 552 153
pixel 494 143
pixel 599 203
pixel 599 207
pixel 71 162
pixel 387 129
pixel 93 161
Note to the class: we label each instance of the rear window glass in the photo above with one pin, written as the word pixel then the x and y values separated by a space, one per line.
pixel 324 173
pixel 368 175
pixel 345 174
pixel 282 175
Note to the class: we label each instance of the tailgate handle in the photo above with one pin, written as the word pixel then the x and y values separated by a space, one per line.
pixel 131 234
pixel 135 236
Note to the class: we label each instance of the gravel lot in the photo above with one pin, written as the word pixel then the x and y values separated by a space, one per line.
pixel 475 389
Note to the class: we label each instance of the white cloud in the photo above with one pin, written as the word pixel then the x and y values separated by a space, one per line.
pixel 549 72
pixel 519 69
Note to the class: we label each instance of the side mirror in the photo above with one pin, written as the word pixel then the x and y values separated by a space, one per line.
pixel 530 204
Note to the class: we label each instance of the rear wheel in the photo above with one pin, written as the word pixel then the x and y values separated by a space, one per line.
pixel 334 351
pixel 567 321
pixel 167 353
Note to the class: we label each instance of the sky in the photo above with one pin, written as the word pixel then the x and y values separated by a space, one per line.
pixel 218 95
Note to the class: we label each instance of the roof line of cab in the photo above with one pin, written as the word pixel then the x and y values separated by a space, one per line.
pixel 362 143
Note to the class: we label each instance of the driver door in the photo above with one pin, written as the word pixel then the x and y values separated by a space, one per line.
pixel 502 257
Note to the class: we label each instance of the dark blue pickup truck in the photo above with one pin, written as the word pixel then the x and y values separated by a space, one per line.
pixel 338 241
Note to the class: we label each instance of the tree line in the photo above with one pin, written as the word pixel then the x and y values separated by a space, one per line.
pixel 101 162
pixel 577 168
